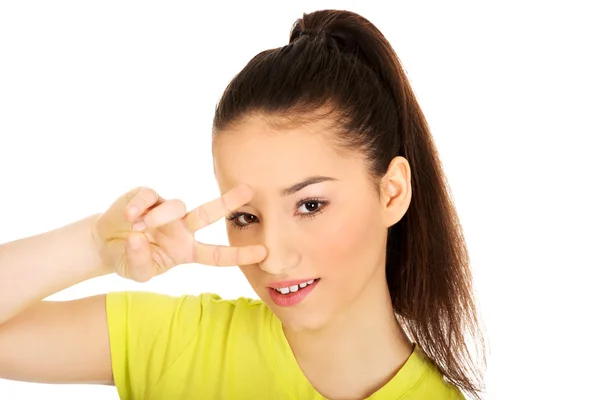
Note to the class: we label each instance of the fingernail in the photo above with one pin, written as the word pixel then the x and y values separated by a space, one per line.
pixel 262 251
pixel 139 226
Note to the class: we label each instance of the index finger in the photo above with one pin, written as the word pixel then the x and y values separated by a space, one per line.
pixel 217 255
pixel 214 210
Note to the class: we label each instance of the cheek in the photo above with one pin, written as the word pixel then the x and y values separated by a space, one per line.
pixel 241 238
pixel 348 242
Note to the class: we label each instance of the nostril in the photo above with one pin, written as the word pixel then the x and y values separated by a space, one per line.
pixel 275 266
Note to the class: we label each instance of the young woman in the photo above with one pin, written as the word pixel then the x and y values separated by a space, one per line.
pixel 339 216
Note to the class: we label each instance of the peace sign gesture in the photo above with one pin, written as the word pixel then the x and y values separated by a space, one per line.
pixel 142 235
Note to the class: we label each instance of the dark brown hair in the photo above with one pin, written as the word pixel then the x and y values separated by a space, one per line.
pixel 339 62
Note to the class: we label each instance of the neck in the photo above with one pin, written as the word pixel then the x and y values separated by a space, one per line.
pixel 357 352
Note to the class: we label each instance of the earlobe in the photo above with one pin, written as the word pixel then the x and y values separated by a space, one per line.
pixel 397 190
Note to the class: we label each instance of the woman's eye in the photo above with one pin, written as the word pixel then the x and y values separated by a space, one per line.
pixel 310 206
pixel 306 208
pixel 246 219
pixel 241 221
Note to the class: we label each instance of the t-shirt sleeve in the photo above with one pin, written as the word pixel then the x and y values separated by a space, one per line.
pixel 147 332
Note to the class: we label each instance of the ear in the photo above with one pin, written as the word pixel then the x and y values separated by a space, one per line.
pixel 396 191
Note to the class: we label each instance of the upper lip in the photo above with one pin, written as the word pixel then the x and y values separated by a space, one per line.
pixel 283 284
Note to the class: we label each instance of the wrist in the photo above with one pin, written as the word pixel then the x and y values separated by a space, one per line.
pixel 96 245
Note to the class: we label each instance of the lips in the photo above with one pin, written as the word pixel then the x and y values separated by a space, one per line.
pixel 289 283
pixel 294 288
pixel 290 293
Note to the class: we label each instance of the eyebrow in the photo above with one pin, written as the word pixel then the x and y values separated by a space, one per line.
pixel 301 185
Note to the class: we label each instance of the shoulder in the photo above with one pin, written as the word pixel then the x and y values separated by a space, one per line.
pixel 159 305
pixel 187 313
pixel 156 337
pixel 431 383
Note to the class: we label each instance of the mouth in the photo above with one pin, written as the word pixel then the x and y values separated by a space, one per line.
pixel 295 287
pixel 288 294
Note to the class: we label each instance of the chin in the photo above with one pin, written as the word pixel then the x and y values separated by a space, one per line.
pixel 301 321
pixel 303 317
pixel 308 315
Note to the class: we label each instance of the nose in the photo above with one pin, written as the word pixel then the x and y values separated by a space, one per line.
pixel 282 255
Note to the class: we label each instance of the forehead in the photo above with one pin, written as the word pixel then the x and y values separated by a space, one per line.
pixel 257 153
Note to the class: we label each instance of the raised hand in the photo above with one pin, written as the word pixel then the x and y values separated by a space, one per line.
pixel 142 235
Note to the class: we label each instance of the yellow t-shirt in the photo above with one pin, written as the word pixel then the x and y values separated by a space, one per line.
pixel 203 347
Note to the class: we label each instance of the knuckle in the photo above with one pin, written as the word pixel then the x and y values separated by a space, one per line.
pixel 179 206
pixel 150 195
pixel 202 216
pixel 133 193
pixel 143 278
pixel 144 197
pixel 217 254
pixel 141 191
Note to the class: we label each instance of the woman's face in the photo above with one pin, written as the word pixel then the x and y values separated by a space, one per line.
pixel 331 232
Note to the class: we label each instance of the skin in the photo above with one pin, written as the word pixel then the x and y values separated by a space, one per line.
pixel 339 236
pixel 344 335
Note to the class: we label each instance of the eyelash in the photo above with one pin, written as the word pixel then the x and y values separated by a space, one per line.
pixel 233 218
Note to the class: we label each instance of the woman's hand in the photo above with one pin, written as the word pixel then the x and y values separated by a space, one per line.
pixel 143 235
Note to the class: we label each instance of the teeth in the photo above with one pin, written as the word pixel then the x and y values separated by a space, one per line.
pixel 294 288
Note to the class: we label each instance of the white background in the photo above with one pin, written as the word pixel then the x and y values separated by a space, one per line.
pixel 99 97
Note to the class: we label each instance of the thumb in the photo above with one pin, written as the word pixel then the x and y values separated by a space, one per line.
pixel 139 264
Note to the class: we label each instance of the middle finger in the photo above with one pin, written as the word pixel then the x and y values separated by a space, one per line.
pixel 216 209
